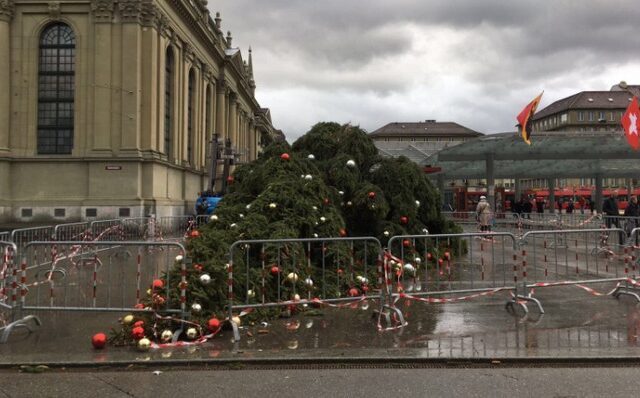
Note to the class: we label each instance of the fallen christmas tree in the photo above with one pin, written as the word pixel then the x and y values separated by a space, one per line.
pixel 331 182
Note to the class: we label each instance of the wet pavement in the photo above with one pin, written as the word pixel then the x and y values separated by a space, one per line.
pixel 576 325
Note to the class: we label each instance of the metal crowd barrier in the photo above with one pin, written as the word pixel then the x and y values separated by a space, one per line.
pixel 72 231
pixel 175 227
pixel 5 236
pixel 437 265
pixel 291 272
pixel 95 276
pixel 21 237
pixel 9 287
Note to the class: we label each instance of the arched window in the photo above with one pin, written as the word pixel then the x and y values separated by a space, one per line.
pixel 56 88
pixel 190 107
pixel 168 103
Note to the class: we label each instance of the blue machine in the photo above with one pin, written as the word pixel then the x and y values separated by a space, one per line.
pixel 205 205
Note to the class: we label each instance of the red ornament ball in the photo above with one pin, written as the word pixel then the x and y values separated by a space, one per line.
pixel 158 284
pixel 230 180
pixel 194 233
pixel 326 201
pixel 404 220
pixel 198 267
pixel 138 323
pixel 372 195
pixel 343 232
pixel 284 156
pixel 139 306
pixel 429 256
pixel 99 340
pixel 406 243
pixel 275 270
pixel 353 292
pixel 447 255
pixel 137 332
pixel 440 261
pixel 213 324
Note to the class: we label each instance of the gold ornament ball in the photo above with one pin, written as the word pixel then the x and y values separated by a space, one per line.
pixel 292 277
pixel 296 297
pixel 251 293
pixel 127 319
pixel 213 218
pixel 236 319
pixel 272 205
pixel 144 344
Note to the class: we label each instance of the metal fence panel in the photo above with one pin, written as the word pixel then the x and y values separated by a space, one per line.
pixel 21 237
pixel 95 276
pixel 73 231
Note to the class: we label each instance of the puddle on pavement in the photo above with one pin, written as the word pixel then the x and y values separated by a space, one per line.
pixel 575 324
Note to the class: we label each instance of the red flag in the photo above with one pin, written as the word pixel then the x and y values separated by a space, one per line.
pixel 631 124
pixel 524 118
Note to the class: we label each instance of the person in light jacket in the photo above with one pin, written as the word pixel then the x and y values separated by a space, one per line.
pixel 483 214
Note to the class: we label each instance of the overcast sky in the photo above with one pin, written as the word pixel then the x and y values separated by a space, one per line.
pixel 474 62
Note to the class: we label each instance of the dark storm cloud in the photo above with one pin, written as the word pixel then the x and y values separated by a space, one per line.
pixel 380 59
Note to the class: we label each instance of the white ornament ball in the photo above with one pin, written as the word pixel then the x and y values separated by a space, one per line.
pixel 248 206
pixel 359 278
pixel 251 293
pixel 417 260
pixel 349 203
pixel 295 297
pixel 236 319
pixel 166 335
pixel 323 219
pixel 314 207
pixel 213 218
pixel 192 333
pixel 179 258
pixel 272 205
pixel 241 215
pixel 144 344
pixel 308 282
pixel 341 192
pixel 425 231
pixel 315 235
pixel 195 307
pixel 311 157
pixel 233 225
pixel 308 177
pixel 292 277
pixel 386 233
pixel 409 268
pixel 351 163
pixel 205 279
pixel 417 203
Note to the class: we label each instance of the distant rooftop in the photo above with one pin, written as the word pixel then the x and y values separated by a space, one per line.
pixel 617 98
pixel 426 128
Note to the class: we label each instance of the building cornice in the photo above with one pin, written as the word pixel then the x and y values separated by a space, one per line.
pixel 102 10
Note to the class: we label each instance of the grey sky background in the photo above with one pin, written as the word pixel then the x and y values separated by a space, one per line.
pixel 475 62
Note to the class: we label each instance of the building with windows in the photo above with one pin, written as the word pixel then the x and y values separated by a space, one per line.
pixel 107 106
pixel 586 111
pixel 419 140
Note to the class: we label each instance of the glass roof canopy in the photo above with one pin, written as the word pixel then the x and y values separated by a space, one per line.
pixel 558 154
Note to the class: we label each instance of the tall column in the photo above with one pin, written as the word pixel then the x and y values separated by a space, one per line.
pixel 131 75
pixel 518 192
pixel 233 120
pixel 6 14
pixel 221 94
pixel 551 183
pixel 598 195
pixel 491 183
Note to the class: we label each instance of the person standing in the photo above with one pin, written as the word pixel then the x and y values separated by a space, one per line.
pixel 632 211
pixel 611 214
pixel 483 214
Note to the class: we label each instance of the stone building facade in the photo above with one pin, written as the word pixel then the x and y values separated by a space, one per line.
pixel 107 106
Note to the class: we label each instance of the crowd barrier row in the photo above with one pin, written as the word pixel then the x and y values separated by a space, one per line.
pixel 434 269
pixel 123 229
pixel 103 276
pixel 89 277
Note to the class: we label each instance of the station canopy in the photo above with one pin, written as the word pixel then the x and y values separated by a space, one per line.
pixel 557 154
